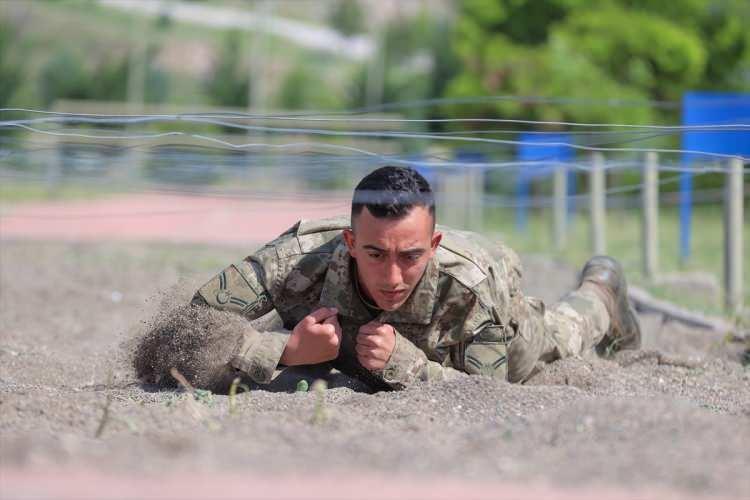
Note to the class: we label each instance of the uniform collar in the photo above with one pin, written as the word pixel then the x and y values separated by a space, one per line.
pixel 338 288
pixel 339 292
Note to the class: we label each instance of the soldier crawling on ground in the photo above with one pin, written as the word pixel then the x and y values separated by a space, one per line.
pixel 392 299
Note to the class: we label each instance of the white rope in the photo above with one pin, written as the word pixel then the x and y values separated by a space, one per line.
pixel 368 153
pixel 328 118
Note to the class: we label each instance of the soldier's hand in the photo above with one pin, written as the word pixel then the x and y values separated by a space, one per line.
pixel 375 344
pixel 315 339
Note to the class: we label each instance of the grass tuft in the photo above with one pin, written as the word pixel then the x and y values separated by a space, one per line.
pixel 320 414
pixel 233 394
pixel 106 410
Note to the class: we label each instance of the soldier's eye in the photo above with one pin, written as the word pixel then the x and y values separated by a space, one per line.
pixel 412 257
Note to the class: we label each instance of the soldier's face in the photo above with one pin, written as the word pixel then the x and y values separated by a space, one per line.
pixel 391 254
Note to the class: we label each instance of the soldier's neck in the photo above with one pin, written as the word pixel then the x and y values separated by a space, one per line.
pixel 372 308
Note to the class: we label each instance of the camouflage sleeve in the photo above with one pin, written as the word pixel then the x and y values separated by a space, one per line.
pixel 409 364
pixel 241 289
pixel 479 348
pixel 525 350
pixel 484 352
pixel 519 319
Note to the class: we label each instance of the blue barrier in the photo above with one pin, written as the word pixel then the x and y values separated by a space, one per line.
pixel 535 149
pixel 708 108
pixel 476 157
pixel 421 165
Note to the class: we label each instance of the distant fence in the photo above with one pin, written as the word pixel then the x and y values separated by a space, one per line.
pixel 463 187
pixel 273 152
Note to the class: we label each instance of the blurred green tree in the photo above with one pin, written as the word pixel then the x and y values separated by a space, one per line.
pixel 229 85
pixel 64 77
pixel 346 17
pixel 595 53
pixel 723 29
pixel 12 68
pixel 157 80
pixel 416 59
pixel 638 49
pixel 110 82
pixel 305 88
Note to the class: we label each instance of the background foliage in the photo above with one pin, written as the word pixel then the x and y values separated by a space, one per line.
pixel 624 50
pixel 604 58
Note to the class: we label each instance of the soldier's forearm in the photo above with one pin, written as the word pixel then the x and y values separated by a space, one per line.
pixel 409 364
pixel 259 351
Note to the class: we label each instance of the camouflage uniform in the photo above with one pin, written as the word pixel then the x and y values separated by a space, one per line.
pixel 467 313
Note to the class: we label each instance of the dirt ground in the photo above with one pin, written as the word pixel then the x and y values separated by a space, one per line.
pixel 671 421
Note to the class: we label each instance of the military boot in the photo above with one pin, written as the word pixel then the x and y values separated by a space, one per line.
pixel 624 330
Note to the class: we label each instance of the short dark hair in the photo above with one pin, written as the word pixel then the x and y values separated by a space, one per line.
pixel 392 192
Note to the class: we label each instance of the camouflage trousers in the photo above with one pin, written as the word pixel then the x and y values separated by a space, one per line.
pixel 574 326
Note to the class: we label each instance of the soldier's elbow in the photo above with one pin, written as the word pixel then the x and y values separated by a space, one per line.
pixel 521 365
pixel 198 300
pixel 517 376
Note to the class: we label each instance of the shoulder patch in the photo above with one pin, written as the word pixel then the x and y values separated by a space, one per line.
pixel 469 245
pixel 291 230
pixel 459 267
pixel 462 259
pixel 287 247
pixel 237 289
pixel 324 242
pixel 318 236
pixel 322 225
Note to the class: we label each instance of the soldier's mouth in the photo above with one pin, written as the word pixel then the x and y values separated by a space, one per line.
pixel 393 294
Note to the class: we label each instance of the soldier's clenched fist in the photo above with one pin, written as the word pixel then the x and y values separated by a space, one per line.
pixel 375 344
pixel 315 339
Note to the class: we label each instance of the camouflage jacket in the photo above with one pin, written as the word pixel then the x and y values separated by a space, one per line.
pixel 461 316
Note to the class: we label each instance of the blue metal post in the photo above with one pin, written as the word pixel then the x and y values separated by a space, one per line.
pixel 522 198
pixel 548 149
pixel 708 108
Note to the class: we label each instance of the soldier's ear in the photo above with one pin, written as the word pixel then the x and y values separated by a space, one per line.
pixel 437 236
pixel 349 239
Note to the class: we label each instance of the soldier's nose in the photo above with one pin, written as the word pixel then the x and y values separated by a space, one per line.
pixel 393 275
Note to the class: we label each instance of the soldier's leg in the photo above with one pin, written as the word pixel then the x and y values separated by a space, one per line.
pixel 595 315
pixel 570 327
pixel 576 324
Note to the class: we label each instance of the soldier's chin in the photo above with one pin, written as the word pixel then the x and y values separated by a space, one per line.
pixel 391 304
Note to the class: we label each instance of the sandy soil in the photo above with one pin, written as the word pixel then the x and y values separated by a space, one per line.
pixel 671 421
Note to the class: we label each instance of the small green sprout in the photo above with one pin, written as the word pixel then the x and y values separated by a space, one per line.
pixel 320 413
pixel 233 394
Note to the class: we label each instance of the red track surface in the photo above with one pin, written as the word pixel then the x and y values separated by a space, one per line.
pixel 182 219
pixel 79 484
